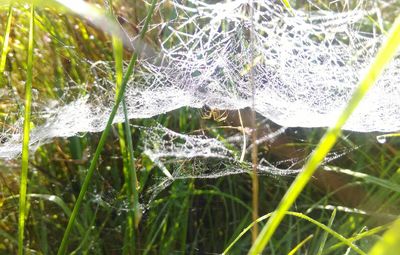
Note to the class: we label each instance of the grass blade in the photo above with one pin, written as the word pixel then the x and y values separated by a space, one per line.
pixel 367 178
pixel 384 56
pixel 25 141
pixel 134 214
pixel 360 236
pixel 4 49
pixel 325 236
pixel 390 242
pixel 295 249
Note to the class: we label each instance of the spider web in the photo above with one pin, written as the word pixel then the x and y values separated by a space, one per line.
pixel 307 64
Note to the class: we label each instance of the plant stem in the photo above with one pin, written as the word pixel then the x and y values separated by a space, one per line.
pixel 254 149
pixel 25 141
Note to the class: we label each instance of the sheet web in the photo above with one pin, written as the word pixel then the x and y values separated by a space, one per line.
pixel 307 63
pixel 180 156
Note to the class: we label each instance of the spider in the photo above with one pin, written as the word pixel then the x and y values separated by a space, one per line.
pixel 213 114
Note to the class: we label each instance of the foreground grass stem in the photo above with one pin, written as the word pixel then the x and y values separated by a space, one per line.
pixel 26 134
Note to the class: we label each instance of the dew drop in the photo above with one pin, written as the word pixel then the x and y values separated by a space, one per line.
pixel 381 139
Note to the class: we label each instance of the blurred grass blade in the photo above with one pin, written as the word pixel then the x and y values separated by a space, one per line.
pixel 96 16
pixel 288 6
pixel 85 10
pixel 25 141
pixel 389 244
pixel 384 56
pixel 295 249
pixel 302 216
pixel 367 178
pixel 4 49
pixel 383 138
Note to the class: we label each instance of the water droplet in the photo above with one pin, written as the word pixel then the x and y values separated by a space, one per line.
pixel 381 139
pixel 35 94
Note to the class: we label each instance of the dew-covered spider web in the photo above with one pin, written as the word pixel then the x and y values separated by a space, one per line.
pixel 305 63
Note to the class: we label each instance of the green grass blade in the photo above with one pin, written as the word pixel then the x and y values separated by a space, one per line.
pixel 295 249
pixel 134 213
pixel 51 198
pixel 118 59
pixel 383 138
pixel 4 49
pixel 302 216
pixel 367 178
pixel 384 56
pixel 325 236
pixel 360 236
pixel 25 141
pixel 390 242
pixel 288 6
pixel 132 171
pixel 148 18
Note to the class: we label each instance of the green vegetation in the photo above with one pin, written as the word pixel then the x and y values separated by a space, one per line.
pixel 94 193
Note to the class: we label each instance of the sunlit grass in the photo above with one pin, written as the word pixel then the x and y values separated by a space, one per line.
pixel 26 135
